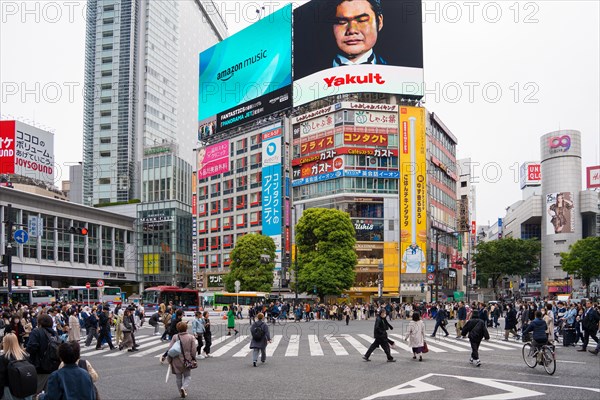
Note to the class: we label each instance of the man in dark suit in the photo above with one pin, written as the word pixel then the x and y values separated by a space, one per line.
pixel 590 325
pixel 356 27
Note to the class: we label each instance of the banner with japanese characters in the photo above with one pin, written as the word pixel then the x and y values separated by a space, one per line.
pixel 26 150
pixel 272 189
pixel 213 160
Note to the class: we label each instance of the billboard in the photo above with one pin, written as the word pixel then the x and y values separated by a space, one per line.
pixel 26 150
pixel 213 160
pixel 561 212
pixel 413 190
pixel 248 75
pixel 271 188
pixel 379 43
pixel 151 264
pixel 593 177
pixel 530 174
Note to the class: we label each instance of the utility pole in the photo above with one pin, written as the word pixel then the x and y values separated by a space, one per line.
pixel 8 250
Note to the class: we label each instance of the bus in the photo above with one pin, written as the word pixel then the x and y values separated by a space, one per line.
pixel 79 294
pixel 187 299
pixel 224 300
pixel 41 295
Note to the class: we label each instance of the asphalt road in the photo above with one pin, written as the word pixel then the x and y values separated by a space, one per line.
pixel 322 360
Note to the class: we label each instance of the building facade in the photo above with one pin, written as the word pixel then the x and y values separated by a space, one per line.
pixel 141 75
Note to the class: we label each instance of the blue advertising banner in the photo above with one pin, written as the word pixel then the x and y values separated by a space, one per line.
pixel 349 174
pixel 272 186
pixel 236 73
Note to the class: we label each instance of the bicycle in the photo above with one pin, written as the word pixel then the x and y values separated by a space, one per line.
pixel 545 356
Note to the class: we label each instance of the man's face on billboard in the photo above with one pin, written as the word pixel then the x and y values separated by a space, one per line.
pixel 356 28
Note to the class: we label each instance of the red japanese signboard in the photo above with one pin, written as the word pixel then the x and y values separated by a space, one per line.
pixel 316 145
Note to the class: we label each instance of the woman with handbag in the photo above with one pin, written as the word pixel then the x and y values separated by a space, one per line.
pixel 416 336
pixel 125 328
pixel 185 361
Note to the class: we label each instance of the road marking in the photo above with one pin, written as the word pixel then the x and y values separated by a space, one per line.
pixel 224 349
pixel 315 347
pixel 118 353
pixel 273 346
pixel 355 343
pixel 337 347
pixel 293 346
pixel 152 350
pixel 411 387
pixel 244 351
pixel 513 344
pixel 450 346
pixel 497 346
pixel 408 348
pixel 371 340
pixel 571 362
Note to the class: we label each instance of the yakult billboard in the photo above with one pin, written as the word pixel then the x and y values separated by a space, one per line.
pixel 26 150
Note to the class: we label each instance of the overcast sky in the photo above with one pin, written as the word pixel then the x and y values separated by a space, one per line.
pixel 499 74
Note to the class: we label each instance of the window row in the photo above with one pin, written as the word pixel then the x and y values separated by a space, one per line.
pixel 241 202
pixel 224 224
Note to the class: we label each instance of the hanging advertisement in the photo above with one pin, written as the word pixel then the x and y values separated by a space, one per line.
pixel 271 189
pixel 317 125
pixel 248 75
pixel 561 212
pixel 376 119
pixel 373 153
pixel 151 264
pixel 26 150
pixel 213 160
pixel 413 190
pixel 378 43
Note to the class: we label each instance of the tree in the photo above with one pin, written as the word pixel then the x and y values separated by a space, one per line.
pixel 326 257
pixel 583 260
pixel 246 265
pixel 506 257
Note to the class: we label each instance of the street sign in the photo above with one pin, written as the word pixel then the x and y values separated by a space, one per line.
pixel 21 236
pixel 35 226
pixel 87 285
pixel 430 277
pixel 237 286
pixel 431 268
pixel 100 283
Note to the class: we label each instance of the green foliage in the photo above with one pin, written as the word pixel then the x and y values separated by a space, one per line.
pixel 246 265
pixel 583 260
pixel 326 256
pixel 506 257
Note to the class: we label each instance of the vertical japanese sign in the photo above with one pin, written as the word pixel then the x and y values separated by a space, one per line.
pixel 413 190
pixel 271 189
pixel 7 147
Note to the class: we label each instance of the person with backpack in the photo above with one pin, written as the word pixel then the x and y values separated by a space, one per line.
pixel 18 377
pixel 43 350
pixel 183 362
pixel 477 331
pixel 260 337
pixel 71 381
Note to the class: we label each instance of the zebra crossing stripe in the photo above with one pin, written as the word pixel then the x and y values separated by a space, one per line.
pixel 337 347
pixel 271 347
pixel 244 351
pixel 497 346
pixel 450 346
pixel 315 347
pixel 406 347
pixel 224 349
pixel 141 346
pixel 371 340
pixel 293 346
pixel 513 344
pixel 355 343
pixel 152 350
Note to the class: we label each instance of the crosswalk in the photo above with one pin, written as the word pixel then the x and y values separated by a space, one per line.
pixel 238 346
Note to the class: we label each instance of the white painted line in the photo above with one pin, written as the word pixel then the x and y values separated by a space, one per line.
pixel 338 349
pixel 372 339
pixel 160 347
pixel 315 347
pixel 141 346
pixel 244 351
pixel 406 347
pixel 224 349
pixel 512 344
pixel 271 347
pixel 355 343
pixel 293 346
pixel 450 346
pixel 570 362
pixel 497 346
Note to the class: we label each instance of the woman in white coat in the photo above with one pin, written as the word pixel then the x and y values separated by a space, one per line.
pixel 74 327
pixel 416 335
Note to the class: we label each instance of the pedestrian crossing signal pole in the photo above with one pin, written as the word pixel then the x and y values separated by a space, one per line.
pixel 8 250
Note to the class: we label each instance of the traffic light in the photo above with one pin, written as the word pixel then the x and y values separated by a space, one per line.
pixel 78 231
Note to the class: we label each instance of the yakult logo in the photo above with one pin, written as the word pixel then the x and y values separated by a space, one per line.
pixel 559 144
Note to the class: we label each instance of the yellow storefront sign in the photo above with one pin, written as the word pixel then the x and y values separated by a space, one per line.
pixel 151 264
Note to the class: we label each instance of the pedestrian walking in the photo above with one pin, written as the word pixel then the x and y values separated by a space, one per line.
pixel 260 337
pixel 207 335
pixel 37 346
pixel 416 335
pixel 181 365
pixel 231 322
pixel 198 332
pixel 462 319
pixel 441 320
pixel 126 328
pixel 590 325
pixel 477 331
pixel 381 338
pixel 12 352
pixel 74 327
pixel 510 323
pixel 104 326
pixel 91 324
pixel 347 314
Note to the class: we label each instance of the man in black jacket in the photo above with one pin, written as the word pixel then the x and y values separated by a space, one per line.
pixel 590 325
pixel 440 321
pixel 477 330
pixel 510 323
pixel 104 330
pixel 381 338
pixel 37 346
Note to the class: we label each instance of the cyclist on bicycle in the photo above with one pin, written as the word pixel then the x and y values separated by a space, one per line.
pixel 539 327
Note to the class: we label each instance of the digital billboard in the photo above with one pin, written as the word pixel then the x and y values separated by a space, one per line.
pixel 26 150
pixel 378 42
pixel 413 190
pixel 213 160
pixel 561 212
pixel 248 75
